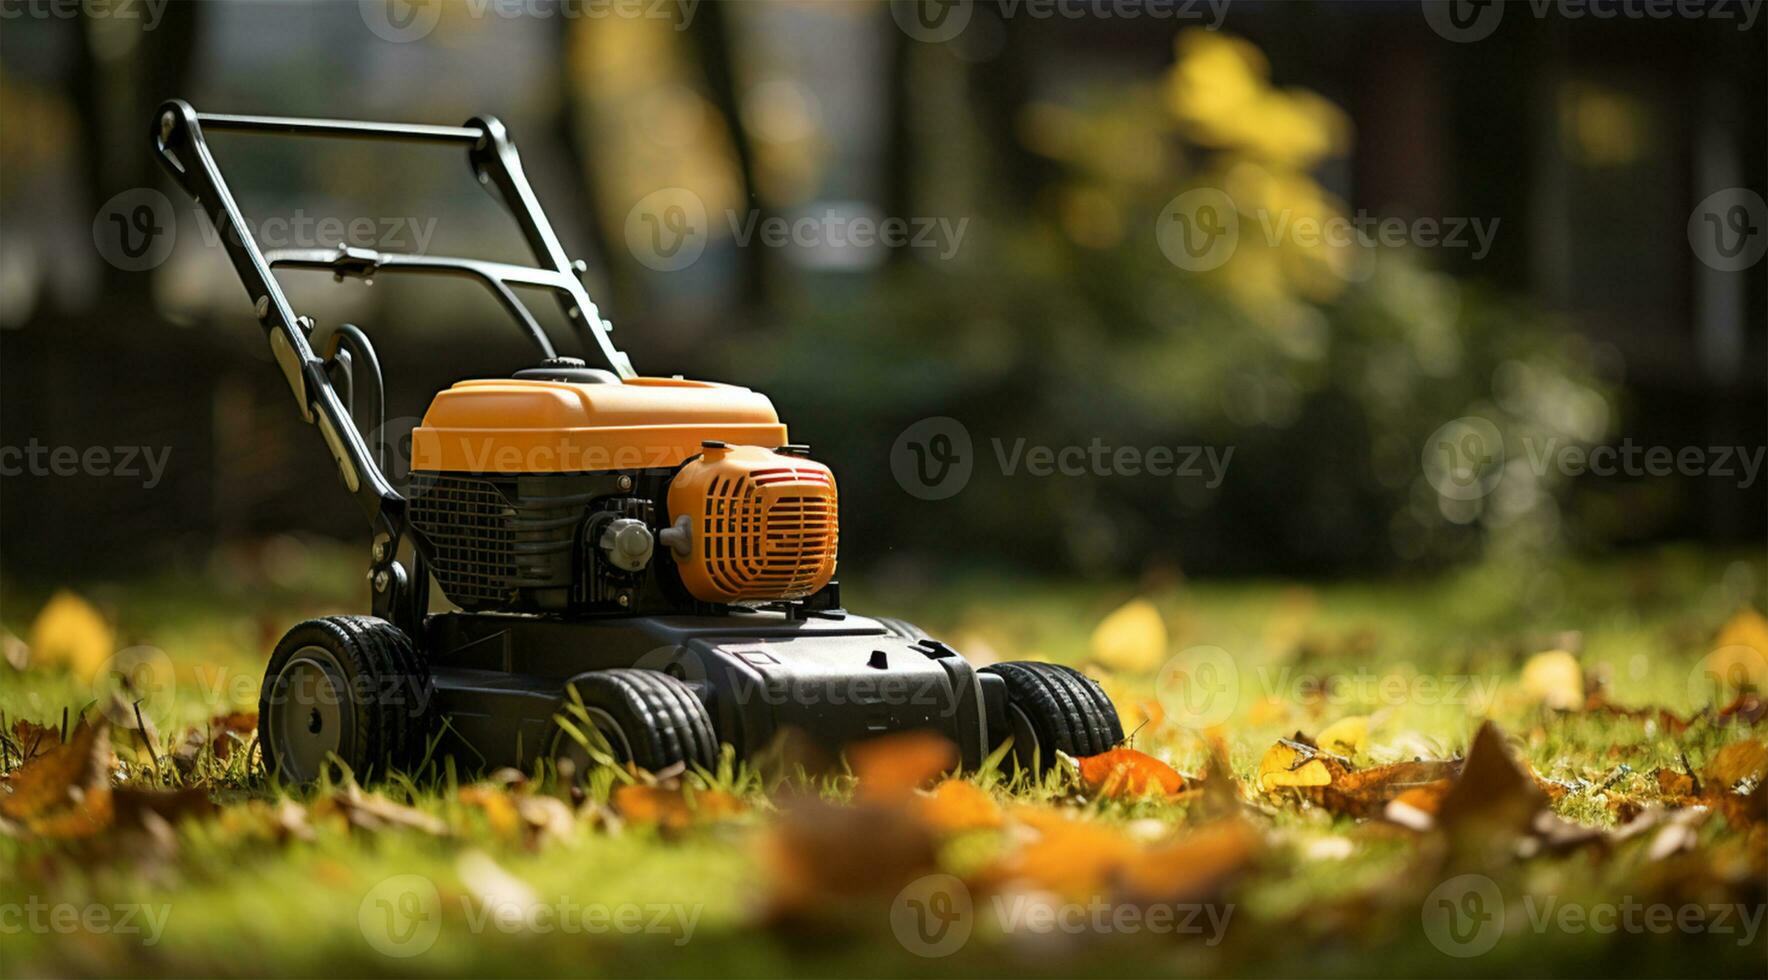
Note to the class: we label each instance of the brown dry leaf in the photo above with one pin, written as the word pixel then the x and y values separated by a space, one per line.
pixel 1555 680
pixel 220 736
pixel 894 766
pixel 1735 763
pixel 1680 787
pixel 1194 868
pixel 1367 792
pixel 1123 773
pixel 372 811
pixel 65 792
pixel 70 633
pixel 32 739
pixel 1493 793
pixel 673 808
pixel 139 806
pixel 1296 763
pixel 818 851
pixel 955 806
pixel 1131 639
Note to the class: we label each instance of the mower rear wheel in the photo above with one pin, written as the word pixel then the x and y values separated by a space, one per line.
pixel 1054 708
pixel 649 718
pixel 343 689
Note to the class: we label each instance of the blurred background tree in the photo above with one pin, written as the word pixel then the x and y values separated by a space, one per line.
pixel 1058 317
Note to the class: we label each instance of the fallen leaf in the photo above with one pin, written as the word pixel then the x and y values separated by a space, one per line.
pixel 1122 773
pixel 1735 763
pixel 817 851
pixel 70 633
pixel 374 812
pixel 32 739
pixel 1555 680
pixel 1132 638
pixel 673 809
pixel 1071 857
pixel 1295 763
pixel 894 766
pixel 1739 661
pixel 1194 868
pixel 1367 792
pixel 956 805
pixel 499 809
pixel 65 792
pixel 1493 796
pixel 1346 736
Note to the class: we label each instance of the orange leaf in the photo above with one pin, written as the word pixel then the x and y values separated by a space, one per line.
pixel 65 792
pixel 894 766
pixel 1128 773
pixel 955 806
pixel 671 809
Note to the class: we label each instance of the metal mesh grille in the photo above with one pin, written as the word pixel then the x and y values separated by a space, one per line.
pixel 770 534
pixel 470 525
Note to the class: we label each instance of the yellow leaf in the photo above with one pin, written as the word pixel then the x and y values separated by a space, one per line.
pixel 1292 763
pixel 70 633
pixel 1554 679
pixel 1346 736
pixel 1739 660
pixel 1132 638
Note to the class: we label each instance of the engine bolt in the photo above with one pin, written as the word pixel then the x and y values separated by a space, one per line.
pixel 624 600
pixel 625 482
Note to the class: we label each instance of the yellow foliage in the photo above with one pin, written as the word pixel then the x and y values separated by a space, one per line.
pixel 71 634
pixel 1132 638
pixel 1554 679
pixel 1347 736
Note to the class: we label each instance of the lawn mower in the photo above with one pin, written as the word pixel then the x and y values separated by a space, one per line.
pixel 649 560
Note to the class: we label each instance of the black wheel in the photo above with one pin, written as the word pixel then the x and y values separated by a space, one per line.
pixel 903 628
pixel 1051 707
pixel 352 687
pixel 649 718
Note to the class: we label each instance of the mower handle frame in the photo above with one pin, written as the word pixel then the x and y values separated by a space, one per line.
pixel 179 142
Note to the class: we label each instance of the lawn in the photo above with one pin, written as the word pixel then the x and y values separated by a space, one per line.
pixel 1337 807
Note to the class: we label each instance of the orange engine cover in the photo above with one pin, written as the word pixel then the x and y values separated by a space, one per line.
pixel 761 526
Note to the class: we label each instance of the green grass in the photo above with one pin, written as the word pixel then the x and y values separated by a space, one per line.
pixel 1428 659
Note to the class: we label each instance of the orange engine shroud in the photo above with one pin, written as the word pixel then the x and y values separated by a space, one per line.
pixel 761 526
pixel 523 425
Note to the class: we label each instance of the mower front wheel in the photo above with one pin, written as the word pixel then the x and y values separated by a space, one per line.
pixel 649 719
pixel 347 690
pixel 1054 708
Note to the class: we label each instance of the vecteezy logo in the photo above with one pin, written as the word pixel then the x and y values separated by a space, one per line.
pixel 1726 672
pixel 1463 21
pixel 932 916
pixel 135 230
pixel 1198 230
pixel 667 229
pixel 932 21
pixel 400 21
pixel 933 458
pixel 1199 688
pixel 1729 229
pixel 401 916
pixel 141 677
pixel 1464 459
pixel 1464 916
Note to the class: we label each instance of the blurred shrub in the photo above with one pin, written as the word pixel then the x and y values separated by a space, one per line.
pixel 1327 368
